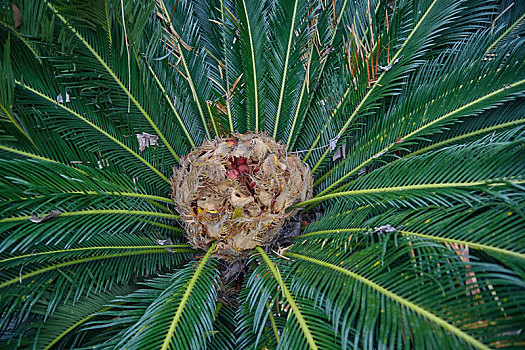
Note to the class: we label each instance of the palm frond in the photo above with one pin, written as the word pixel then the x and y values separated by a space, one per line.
pixel 271 316
pixel 60 329
pixel 51 274
pixel 446 175
pixel 193 64
pixel 84 41
pixel 381 284
pixel 252 35
pixel 285 69
pixel 419 118
pixel 173 311
pixel 408 113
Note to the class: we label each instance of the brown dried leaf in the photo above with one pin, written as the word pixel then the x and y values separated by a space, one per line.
pixel 239 200
pixel 17 16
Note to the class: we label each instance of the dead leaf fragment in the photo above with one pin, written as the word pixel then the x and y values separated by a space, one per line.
pixel 17 16
pixel 37 219
pixel 165 242
pixel 146 140
pixel 60 99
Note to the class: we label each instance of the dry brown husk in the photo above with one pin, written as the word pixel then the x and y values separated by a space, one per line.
pixel 244 212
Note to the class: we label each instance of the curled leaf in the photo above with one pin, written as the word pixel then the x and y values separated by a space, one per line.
pixel 146 140
pixel 17 16
pixel 165 242
pixel 37 219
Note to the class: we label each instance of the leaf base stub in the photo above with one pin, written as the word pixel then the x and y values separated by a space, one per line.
pixel 236 191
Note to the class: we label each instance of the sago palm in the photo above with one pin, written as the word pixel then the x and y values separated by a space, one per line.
pixel 409 116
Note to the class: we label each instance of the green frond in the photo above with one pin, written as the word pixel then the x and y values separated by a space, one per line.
pixel 269 312
pixel 286 69
pixel 68 318
pixel 446 175
pixel 174 311
pixel 423 31
pixel 223 337
pixel 290 300
pixel 428 112
pixel 372 293
pixel 258 300
pixel 410 115
pixel 58 200
pixel 113 75
pixel 50 274
pixel 10 128
pixel 252 35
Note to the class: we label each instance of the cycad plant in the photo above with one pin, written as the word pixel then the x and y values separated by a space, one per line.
pixel 408 114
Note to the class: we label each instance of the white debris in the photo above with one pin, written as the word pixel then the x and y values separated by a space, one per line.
pixel 146 140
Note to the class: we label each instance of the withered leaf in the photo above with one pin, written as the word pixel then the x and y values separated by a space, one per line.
pixel 384 229
pixel 146 140
pixel 165 242
pixel 37 219
pixel 17 16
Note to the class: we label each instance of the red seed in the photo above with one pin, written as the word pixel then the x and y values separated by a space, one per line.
pixel 240 161
pixel 243 168
pixel 232 160
pixel 305 223
pixel 256 170
pixel 233 174
pixel 252 185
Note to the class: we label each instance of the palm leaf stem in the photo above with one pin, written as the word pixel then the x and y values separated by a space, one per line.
pixel 402 301
pixel 158 250
pixel 228 107
pixel 365 98
pixel 335 230
pixel 506 32
pixel 305 81
pixel 212 119
pixel 193 91
pixel 160 206
pixel 13 121
pixel 99 212
pixel 419 130
pixel 289 298
pixel 405 188
pixel 117 80
pixel 466 135
pixel 274 324
pixel 168 227
pixel 74 326
pixel 123 194
pixel 254 71
pixel 188 77
pixel 94 126
pixel 296 114
pixel 285 70
pixel 186 246
pixel 471 244
pixel 35 156
pixel 185 297
pixel 179 119
pixel 467 243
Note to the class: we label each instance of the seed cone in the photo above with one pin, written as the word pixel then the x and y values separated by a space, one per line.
pixel 236 191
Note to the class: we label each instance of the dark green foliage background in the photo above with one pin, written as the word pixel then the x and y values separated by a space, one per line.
pixel 417 237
